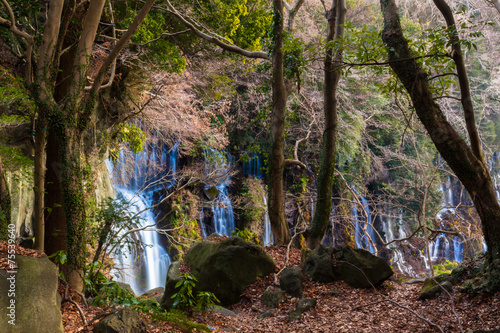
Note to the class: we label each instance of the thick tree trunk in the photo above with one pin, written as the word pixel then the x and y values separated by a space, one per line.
pixel 55 220
pixel 321 218
pixel 5 203
pixel 39 184
pixel 276 200
pixel 470 169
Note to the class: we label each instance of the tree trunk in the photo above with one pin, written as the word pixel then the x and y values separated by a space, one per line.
pixel 470 169
pixel 39 184
pixel 336 18
pixel 276 200
pixel 5 203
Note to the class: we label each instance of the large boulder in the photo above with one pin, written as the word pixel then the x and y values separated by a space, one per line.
pixel 173 276
pixel 28 298
pixel 227 267
pixel 318 264
pixel 359 268
pixel 291 281
pixel 124 321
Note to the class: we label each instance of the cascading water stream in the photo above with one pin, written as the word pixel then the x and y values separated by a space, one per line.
pixel 365 221
pixel 153 169
pixel 217 166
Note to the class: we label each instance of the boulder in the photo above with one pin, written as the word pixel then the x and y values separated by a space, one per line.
pixel 266 314
pixel 173 276
pixel 225 268
pixel 157 290
pixel 291 281
pixel 28 297
pixel 127 287
pixel 272 297
pixel 433 286
pixel 359 268
pixel 318 264
pixel 302 305
pixel 124 321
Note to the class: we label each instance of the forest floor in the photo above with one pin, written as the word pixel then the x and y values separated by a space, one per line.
pixel 393 307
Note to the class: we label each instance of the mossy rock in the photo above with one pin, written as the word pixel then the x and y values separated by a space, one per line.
pixel 35 286
pixel 318 264
pixel 225 268
pixel 291 281
pixel 431 289
pixel 173 276
pixel 124 321
pixel 272 297
pixel 359 268
pixel 486 281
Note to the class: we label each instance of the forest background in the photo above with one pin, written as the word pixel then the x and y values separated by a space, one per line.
pixel 78 78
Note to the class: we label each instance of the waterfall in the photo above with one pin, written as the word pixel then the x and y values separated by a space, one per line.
pixel 268 233
pixel 252 166
pixel 137 178
pixel 361 236
pixel 217 166
pixel 155 260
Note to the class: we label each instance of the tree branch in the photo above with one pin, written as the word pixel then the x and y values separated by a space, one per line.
pixel 213 40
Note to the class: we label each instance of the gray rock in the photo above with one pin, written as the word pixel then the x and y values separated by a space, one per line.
pixel 127 287
pixel 157 290
pixel 334 293
pixel 123 321
pixel 302 305
pixel 223 311
pixel 359 268
pixel 318 264
pixel 225 268
pixel 291 281
pixel 35 307
pixel 272 297
pixel 173 276
pixel 434 286
pixel 266 314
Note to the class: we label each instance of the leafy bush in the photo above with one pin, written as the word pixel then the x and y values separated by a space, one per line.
pixel 186 299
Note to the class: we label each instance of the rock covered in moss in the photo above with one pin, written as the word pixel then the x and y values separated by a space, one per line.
pixel 318 264
pixel 124 321
pixel 272 297
pixel 173 276
pixel 31 294
pixel 302 305
pixel 433 286
pixel 291 281
pixel 359 268
pixel 225 268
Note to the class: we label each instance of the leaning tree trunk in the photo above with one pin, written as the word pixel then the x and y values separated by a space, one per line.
pixel 276 200
pixel 471 170
pixel 336 18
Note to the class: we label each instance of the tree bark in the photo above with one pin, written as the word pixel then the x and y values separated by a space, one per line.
pixel 471 170
pixel 336 18
pixel 276 200
pixel 463 80
pixel 5 203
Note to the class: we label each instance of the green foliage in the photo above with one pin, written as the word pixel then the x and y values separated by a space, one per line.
pixel 246 235
pixel 186 299
pixel 183 219
pixel 445 268
pixel 242 22
pixel 180 319
pixel 59 258
pixel 128 134
pixel 13 95
pixel 162 53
